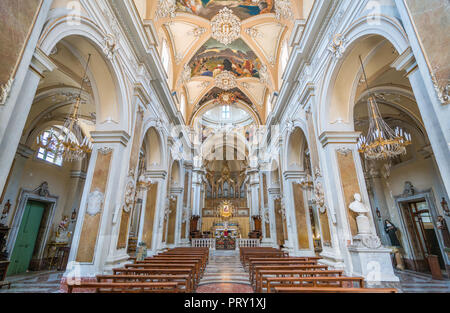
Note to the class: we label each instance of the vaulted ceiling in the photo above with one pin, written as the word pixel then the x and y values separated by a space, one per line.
pixel 197 58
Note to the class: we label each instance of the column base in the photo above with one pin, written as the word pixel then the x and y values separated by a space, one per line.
pixel 331 259
pixel 116 261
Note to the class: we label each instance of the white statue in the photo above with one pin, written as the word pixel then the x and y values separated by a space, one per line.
pixel 362 221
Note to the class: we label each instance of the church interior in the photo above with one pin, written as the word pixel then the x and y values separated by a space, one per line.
pixel 224 146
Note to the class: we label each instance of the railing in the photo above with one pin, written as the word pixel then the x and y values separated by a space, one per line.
pixel 248 243
pixel 211 243
pixel 204 243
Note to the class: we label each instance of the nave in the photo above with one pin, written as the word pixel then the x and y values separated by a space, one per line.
pixel 224 273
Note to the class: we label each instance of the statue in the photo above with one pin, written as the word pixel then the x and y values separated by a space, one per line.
pixel 442 225
pixel 62 231
pixel 390 229
pixel 362 220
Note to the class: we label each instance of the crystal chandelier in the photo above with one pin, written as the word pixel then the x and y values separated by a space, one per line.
pixel 225 27
pixel 65 144
pixel 381 141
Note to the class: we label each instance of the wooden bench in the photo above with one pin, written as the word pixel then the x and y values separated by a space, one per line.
pixel 203 264
pixel 257 278
pixel 182 280
pixel 198 265
pixel 257 264
pixel 316 282
pixel 108 287
pixel 333 290
pixel 162 266
pixel 157 271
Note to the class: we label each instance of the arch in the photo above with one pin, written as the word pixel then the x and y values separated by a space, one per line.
pixel 112 108
pixel 354 38
pixel 152 144
pixel 295 149
pixel 175 174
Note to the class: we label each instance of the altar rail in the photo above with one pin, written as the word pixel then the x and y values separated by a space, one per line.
pixel 211 243
pixel 204 243
pixel 248 243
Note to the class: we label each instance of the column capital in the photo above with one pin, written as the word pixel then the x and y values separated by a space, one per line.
pixel 294 175
pixel 405 62
pixel 176 190
pixel 156 174
pixel 115 136
pixel 78 174
pixel 338 137
pixel 24 151
pixel 41 63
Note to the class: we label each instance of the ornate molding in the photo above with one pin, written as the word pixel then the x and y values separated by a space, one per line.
pixel 5 90
pixel 225 27
pixel 226 80
pixel 166 8
pixel 94 202
pixel 337 46
pixel 283 9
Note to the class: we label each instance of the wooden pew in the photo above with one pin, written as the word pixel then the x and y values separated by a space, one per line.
pixel 316 282
pixel 198 265
pixel 257 264
pixel 162 266
pixel 333 290
pixel 109 287
pixel 158 271
pixel 261 254
pixel 182 280
pixel 262 270
pixel 181 258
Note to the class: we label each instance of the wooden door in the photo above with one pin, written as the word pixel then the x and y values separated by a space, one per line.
pixel 26 238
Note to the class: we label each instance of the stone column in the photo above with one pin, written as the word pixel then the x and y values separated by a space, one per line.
pixel 18 113
pixel 152 215
pixel 345 178
pixel 23 153
pixel 297 212
pixel 435 116
pixel 253 192
pixel 197 182
pixel 95 235
pixel 379 200
pixel 177 192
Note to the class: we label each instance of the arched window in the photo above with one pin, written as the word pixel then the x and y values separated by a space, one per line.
pixel 183 105
pixel 226 112
pixel 284 58
pixel 49 149
pixel 165 56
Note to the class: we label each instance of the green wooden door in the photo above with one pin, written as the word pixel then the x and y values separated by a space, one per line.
pixel 26 238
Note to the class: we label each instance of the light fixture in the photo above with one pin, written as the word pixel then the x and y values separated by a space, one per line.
pixel 73 151
pixel 381 141
pixel 225 26
pixel 65 143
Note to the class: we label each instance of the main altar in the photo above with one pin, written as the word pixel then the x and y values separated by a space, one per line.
pixel 225 224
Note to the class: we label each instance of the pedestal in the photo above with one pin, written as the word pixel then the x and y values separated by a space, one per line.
pixel 373 263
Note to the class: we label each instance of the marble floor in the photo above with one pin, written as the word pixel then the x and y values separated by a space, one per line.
pixel 34 282
pixel 224 274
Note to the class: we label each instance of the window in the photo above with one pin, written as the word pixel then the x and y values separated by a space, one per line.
pixel 165 56
pixel 52 153
pixel 226 112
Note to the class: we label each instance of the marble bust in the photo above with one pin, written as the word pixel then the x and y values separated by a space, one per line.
pixel 362 221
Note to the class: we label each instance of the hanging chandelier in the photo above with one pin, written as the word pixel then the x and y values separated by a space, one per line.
pixel 381 141
pixel 65 143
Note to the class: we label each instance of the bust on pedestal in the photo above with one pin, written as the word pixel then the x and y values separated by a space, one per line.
pixel 370 259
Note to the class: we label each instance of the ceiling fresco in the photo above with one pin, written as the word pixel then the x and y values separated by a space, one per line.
pixel 241 8
pixel 215 93
pixel 213 58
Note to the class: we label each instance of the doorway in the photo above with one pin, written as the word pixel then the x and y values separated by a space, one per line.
pixel 421 230
pixel 26 237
